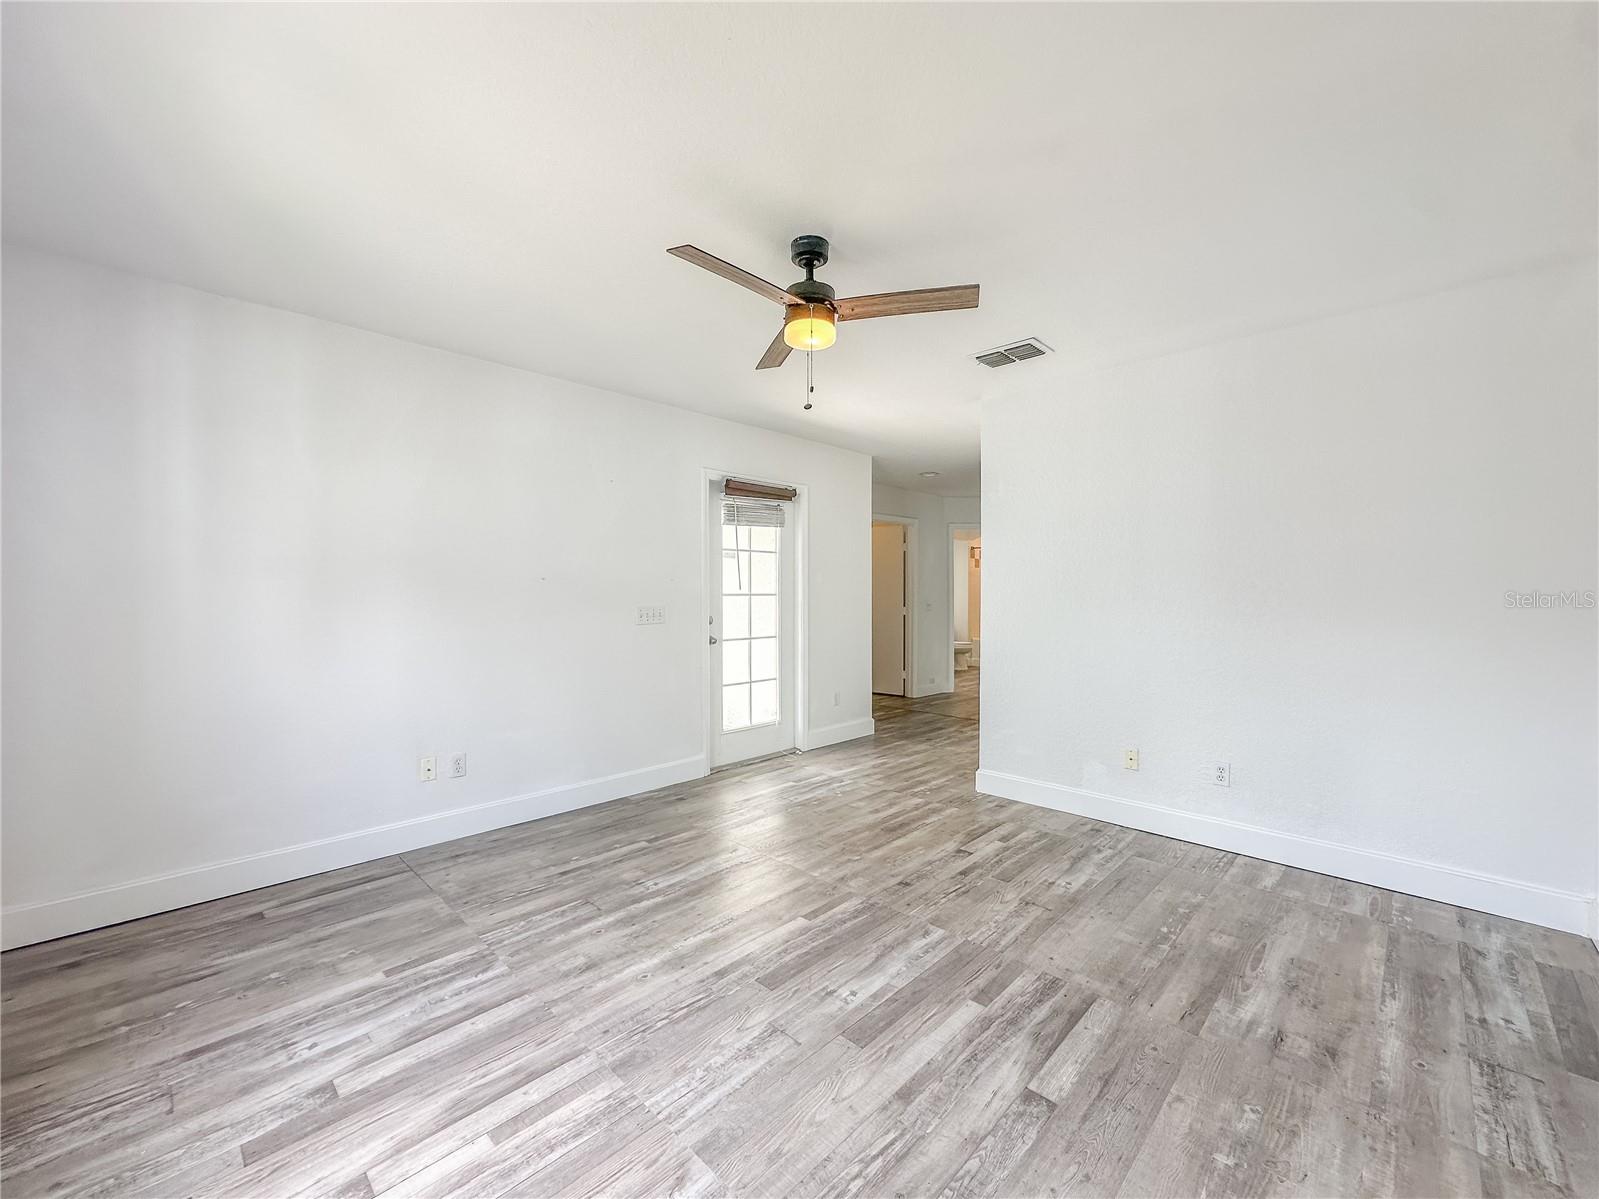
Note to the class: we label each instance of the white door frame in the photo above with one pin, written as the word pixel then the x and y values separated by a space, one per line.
pixel 913 686
pixel 802 607
pixel 949 582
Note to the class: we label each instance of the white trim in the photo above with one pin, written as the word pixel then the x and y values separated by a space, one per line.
pixel 25 924
pixel 846 730
pixel 1564 910
pixel 912 537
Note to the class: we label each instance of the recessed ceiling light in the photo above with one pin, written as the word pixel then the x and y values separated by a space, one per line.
pixel 929 474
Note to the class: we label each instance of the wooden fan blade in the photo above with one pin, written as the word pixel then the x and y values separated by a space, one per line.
pixel 737 274
pixel 776 353
pixel 904 303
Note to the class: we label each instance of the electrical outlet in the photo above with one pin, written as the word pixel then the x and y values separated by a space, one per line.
pixel 457 766
pixel 651 614
pixel 835 699
pixel 1222 774
pixel 427 769
pixel 1130 759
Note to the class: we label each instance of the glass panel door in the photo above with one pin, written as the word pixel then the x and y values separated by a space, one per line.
pixel 752 642
pixel 750 616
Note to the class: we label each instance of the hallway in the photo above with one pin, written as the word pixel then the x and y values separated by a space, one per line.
pixel 829 972
pixel 960 703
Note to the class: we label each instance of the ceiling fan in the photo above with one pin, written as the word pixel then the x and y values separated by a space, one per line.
pixel 810 313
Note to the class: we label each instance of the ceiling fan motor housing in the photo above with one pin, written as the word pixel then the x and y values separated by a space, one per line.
pixel 812 291
pixel 808 252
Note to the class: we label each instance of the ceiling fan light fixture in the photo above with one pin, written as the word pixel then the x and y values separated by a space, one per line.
pixel 811 311
pixel 809 327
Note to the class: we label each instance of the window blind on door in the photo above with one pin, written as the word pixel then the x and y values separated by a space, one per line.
pixel 762 513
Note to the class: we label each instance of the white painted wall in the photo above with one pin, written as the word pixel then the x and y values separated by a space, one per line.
pixel 932 645
pixel 1290 553
pixel 256 564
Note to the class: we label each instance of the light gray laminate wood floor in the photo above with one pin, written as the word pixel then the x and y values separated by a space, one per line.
pixel 842 972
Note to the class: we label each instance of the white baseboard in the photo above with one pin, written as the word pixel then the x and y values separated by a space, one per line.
pixel 1564 910
pixel 25 924
pixel 847 730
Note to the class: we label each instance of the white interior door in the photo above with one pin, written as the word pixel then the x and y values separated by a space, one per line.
pixel 889 614
pixel 752 629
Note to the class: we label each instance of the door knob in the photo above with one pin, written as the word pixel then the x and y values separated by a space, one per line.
pixel 713 640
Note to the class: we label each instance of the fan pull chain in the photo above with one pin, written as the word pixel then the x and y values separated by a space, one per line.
pixel 810 388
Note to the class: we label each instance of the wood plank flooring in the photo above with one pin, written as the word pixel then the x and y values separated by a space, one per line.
pixel 842 973
pixel 960 702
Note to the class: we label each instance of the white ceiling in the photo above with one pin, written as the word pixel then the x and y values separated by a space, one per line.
pixel 503 180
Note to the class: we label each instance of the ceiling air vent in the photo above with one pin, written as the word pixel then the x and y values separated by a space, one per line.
pixel 1020 351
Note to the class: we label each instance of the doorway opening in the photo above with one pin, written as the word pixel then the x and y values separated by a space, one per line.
pixel 966 605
